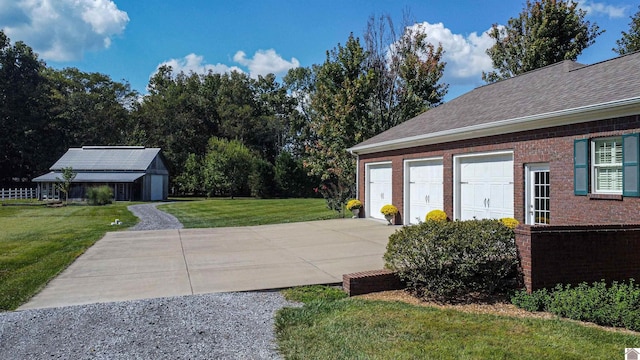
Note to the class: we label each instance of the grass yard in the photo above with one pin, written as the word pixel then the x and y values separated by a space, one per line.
pixel 37 243
pixel 355 328
pixel 246 212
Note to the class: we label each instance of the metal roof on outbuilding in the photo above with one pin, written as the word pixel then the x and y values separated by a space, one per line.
pixel 93 177
pixel 107 158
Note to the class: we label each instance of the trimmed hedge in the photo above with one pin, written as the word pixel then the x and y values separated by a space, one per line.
pixel 450 259
pixel 617 304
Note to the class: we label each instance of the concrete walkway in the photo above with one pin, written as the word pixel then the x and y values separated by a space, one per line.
pixel 130 265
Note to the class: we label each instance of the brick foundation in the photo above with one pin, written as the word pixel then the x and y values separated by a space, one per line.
pixel 371 281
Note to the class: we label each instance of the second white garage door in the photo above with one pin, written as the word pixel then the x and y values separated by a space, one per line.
pixel 485 186
pixel 424 189
pixel 379 189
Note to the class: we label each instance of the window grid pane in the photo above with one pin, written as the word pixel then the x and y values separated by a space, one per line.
pixel 608 165
pixel 609 152
pixel 541 210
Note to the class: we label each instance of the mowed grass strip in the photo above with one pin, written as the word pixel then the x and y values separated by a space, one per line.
pixel 37 243
pixel 367 329
pixel 247 212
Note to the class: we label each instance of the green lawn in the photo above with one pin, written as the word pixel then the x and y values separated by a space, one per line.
pixel 246 212
pixel 37 243
pixel 366 329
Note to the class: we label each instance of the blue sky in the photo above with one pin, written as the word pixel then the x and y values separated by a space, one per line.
pixel 129 39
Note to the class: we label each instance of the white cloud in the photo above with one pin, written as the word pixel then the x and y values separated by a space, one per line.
pixel 265 62
pixel 596 8
pixel 62 30
pixel 465 55
pixel 193 63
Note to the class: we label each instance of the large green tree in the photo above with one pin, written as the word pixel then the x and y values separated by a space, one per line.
pixel 227 167
pixel 276 110
pixel 359 92
pixel 89 108
pixel 178 115
pixel 181 112
pixel 630 41
pixel 341 119
pixel 24 113
pixel 300 84
pixel 545 32
pixel 408 71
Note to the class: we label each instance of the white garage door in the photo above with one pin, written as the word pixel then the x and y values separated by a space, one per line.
pixel 379 189
pixel 424 191
pixel 485 187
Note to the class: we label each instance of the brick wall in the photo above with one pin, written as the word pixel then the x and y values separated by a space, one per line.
pixel 551 145
pixel 573 254
pixel 371 281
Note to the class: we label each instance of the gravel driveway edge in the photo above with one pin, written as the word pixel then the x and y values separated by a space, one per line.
pixel 209 326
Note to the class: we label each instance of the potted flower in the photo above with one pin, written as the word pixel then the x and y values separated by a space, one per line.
pixel 354 206
pixel 389 211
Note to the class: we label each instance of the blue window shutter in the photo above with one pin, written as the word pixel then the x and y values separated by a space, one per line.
pixel 581 167
pixel 630 168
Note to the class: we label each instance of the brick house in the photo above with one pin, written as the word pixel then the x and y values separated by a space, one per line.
pixel 557 146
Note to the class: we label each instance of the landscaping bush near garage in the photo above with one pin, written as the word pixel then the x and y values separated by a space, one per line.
pixel 445 260
pixel 616 304
pixel 99 195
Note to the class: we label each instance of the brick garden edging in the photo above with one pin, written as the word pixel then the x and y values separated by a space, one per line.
pixel 371 281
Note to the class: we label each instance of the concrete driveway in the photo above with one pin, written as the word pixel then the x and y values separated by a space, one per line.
pixel 130 265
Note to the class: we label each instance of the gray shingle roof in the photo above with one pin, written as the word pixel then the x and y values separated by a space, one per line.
pixel 562 86
pixel 107 158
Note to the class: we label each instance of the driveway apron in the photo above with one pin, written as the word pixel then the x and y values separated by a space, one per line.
pixel 130 265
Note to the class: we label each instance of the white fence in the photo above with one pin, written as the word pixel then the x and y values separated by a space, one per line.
pixel 17 193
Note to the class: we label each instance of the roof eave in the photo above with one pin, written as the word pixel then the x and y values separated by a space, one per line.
pixel 608 110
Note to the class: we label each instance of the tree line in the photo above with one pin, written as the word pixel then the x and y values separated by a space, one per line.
pixel 234 135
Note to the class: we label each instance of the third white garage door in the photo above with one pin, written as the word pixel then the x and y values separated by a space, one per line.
pixel 484 186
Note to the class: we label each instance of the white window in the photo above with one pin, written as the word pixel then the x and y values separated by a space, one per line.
pixel 607 165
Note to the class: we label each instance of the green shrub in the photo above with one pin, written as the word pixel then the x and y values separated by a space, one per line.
pixel 445 259
pixel 617 304
pixel 261 179
pixel 99 195
pixel 536 301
